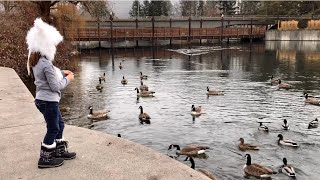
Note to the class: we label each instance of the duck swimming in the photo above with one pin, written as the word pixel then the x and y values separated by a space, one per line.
pixel 190 150
pixel 313 124
pixel 282 85
pixel 311 100
pixel 286 142
pixel 244 146
pixel 263 127
pixel 287 169
pixel 285 126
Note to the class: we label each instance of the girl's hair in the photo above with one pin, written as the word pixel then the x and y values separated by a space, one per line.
pixel 34 58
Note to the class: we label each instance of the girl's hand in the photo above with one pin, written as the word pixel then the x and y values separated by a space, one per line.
pixel 67 72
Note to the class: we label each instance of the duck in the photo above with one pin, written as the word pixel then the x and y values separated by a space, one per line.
pixel 311 100
pixel 120 66
pixel 214 92
pixel 194 112
pixel 144 117
pixel 282 85
pixel 124 81
pixel 96 115
pixel 143 87
pixel 274 81
pixel 313 124
pixel 99 87
pixel 287 169
pixel 244 146
pixel 263 127
pixel 286 142
pixel 197 109
pixel 256 170
pixel 143 76
pixel 144 93
pixel 103 77
pixel 285 125
pixel 190 150
pixel 203 171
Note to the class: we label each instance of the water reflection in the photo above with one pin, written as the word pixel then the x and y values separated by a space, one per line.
pixel 242 71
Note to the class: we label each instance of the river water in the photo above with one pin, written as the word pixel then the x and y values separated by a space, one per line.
pixel 241 70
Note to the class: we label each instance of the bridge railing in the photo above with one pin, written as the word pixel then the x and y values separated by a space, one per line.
pixel 94 34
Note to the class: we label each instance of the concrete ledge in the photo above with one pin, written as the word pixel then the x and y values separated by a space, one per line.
pixel 99 155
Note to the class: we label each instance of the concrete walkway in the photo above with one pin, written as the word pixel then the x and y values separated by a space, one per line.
pixel 99 155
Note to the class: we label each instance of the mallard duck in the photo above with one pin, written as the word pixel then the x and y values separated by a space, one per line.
pixel 143 76
pixel 286 142
pixel 263 127
pixel 194 111
pixel 287 169
pixel 144 93
pixel 99 87
pixel 214 92
pixel 311 100
pixel 124 81
pixel 120 66
pixel 96 115
pixel 282 85
pixel 119 135
pixel 274 81
pixel 244 146
pixel 313 124
pixel 256 170
pixel 143 87
pixel 190 150
pixel 144 117
pixel 203 171
pixel 103 78
pixel 285 125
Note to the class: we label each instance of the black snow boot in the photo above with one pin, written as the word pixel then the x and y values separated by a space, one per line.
pixel 62 151
pixel 47 157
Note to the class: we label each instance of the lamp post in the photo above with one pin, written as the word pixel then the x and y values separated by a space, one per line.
pixel 111 40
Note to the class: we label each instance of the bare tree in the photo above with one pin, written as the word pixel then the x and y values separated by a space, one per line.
pixel 8 5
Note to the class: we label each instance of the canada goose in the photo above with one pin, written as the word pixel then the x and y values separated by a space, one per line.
pixel 144 93
pixel 120 66
pixel 124 81
pixel 282 85
pixel 274 81
pixel 244 146
pixel 190 150
pixel 214 92
pixel 313 124
pixel 144 117
pixel 203 171
pixel 96 115
pixel 99 87
pixel 198 109
pixel 263 127
pixel 285 125
pixel 143 76
pixel 194 111
pixel 103 78
pixel 256 170
pixel 143 87
pixel 311 100
pixel 286 142
pixel 287 169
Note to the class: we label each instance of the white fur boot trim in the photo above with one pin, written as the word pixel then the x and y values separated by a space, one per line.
pixel 60 140
pixel 49 146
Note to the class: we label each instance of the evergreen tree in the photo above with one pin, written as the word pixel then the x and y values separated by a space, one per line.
pixel 166 8
pixel 188 8
pixel 227 7
pixel 200 8
pixel 135 9
pixel 210 8
pixel 146 8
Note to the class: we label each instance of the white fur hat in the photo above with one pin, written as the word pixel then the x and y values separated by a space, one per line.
pixel 42 38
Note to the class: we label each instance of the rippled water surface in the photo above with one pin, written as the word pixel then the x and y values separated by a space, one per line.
pixel 179 81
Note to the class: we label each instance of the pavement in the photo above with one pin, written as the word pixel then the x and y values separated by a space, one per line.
pixel 99 155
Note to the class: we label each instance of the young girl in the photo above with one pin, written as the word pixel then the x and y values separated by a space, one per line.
pixel 42 40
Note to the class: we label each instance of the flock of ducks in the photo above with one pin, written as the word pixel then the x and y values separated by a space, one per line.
pixel 250 169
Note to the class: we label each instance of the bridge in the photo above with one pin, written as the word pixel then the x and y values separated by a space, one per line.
pixel 152 29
